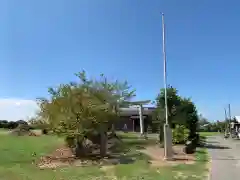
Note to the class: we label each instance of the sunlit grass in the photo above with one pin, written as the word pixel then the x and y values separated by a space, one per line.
pixel 205 134
pixel 17 162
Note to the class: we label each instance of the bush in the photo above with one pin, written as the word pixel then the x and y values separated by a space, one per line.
pixel 3 123
pixel 21 130
pixel 21 122
pixel 196 140
pixel 23 127
pixel 189 147
pixel 70 141
pixel 180 134
pixel 44 131
pixel 12 125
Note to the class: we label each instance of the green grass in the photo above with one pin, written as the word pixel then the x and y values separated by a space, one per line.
pixel 16 162
pixel 141 169
pixel 205 134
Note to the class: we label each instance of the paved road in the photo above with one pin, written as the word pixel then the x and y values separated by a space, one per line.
pixel 225 158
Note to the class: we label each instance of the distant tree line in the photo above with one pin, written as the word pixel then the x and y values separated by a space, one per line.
pixel 205 125
pixel 11 124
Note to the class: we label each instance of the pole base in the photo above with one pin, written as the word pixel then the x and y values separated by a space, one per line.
pixel 168 151
pixel 168 158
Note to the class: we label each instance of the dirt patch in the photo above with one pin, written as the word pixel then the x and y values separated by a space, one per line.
pixel 157 156
pixel 24 131
pixel 64 156
pixel 37 132
pixel 108 169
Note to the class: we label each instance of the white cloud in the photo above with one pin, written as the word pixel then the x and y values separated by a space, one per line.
pixel 17 103
pixel 15 109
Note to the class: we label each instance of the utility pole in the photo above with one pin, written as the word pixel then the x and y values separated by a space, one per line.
pixel 226 119
pixel 225 111
pixel 230 118
pixel 164 70
pixel 229 111
pixel 168 152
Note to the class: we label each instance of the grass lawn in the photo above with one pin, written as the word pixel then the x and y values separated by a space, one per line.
pixel 16 162
pixel 205 134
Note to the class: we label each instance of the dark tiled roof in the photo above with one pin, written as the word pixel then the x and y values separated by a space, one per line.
pixel 135 111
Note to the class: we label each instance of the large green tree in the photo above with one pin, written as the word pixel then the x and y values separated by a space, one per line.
pixel 84 108
pixel 181 111
pixel 119 94
pixel 173 101
pixel 189 111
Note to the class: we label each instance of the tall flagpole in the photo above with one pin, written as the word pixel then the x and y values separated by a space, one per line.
pixel 230 118
pixel 229 112
pixel 226 119
pixel 168 152
pixel 164 69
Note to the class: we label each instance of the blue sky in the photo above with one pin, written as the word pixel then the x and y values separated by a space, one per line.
pixel 43 43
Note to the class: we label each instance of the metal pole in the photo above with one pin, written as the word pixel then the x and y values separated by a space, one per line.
pixel 225 111
pixel 229 111
pixel 141 119
pixel 168 153
pixel 164 69
pixel 226 119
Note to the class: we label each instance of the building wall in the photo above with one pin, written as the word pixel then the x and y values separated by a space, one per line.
pixel 124 120
pixel 131 126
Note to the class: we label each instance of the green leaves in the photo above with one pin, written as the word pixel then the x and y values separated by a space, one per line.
pixel 180 134
pixel 84 105
pixel 173 103
pixel 181 110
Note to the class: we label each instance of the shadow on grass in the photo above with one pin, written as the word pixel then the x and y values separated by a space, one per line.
pixel 138 143
pixel 236 139
pixel 125 136
pixel 211 146
pixel 212 142
pixel 126 151
pixel 201 156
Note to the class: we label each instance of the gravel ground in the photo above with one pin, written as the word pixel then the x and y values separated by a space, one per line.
pixel 225 158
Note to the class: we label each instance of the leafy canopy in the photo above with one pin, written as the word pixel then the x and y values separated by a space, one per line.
pixel 181 111
pixel 86 105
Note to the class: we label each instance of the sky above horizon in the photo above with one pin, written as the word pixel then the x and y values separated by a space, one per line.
pixel 43 43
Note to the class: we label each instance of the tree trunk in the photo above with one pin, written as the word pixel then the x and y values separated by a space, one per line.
pixel 113 123
pixel 161 134
pixel 113 129
pixel 79 150
pixel 103 145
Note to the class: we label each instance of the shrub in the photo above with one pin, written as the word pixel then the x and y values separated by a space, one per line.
pixel 21 122
pixel 12 125
pixel 180 134
pixel 21 130
pixel 196 141
pixel 3 123
pixel 44 131
pixel 189 147
pixel 23 127
pixel 70 141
